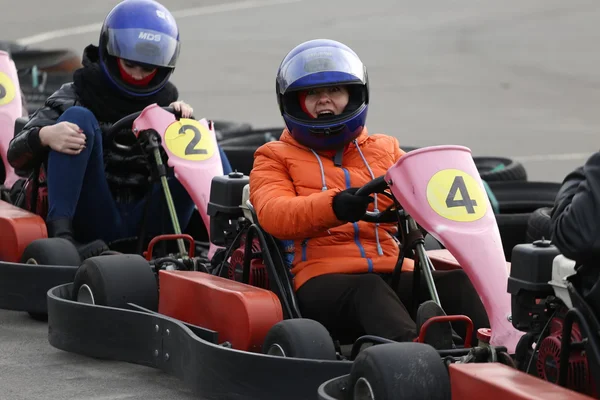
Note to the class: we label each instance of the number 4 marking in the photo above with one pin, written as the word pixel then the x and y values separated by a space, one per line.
pixel 458 185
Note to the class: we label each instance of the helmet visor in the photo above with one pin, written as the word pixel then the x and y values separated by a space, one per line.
pixel 144 46
pixel 321 66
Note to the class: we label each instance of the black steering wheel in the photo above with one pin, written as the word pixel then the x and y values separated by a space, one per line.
pixel 125 123
pixel 390 214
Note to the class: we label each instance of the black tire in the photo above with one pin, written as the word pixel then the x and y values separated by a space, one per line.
pixel 50 251
pixel 539 225
pixel 517 200
pixel 115 280
pixel 300 338
pixel 399 371
pixel 254 138
pixel 524 196
pixel 408 149
pixel 230 129
pixel 494 169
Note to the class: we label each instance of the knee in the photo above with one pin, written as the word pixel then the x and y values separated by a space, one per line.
pixel 82 117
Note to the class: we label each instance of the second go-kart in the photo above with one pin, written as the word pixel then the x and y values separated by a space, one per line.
pixel 31 263
pixel 236 330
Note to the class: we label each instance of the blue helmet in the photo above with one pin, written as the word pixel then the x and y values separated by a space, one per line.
pixel 142 32
pixel 319 63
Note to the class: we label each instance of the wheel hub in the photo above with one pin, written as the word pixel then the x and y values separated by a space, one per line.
pixel 85 295
pixel 363 390
pixel 276 350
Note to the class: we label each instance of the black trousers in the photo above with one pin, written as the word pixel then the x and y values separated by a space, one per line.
pixel 349 305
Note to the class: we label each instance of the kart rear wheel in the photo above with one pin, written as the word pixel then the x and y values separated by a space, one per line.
pixel 300 338
pixel 50 251
pixel 398 371
pixel 115 280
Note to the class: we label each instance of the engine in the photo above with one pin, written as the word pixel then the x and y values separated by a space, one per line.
pixel 579 377
pixel 537 305
pixel 224 208
pixel 528 284
pixel 258 273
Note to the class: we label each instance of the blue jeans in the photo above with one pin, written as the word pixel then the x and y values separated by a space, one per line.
pixel 78 190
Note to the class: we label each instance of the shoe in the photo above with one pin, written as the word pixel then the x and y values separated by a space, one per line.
pixel 439 334
pixel 63 228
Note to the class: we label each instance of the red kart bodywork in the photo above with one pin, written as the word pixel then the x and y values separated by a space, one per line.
pixel 18 228
pixel 242 314
pixel 493 381
pixel 245 313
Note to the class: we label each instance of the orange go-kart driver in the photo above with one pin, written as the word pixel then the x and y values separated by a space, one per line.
pixel 303 188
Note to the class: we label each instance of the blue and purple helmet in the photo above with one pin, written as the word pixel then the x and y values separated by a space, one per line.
pixel 142 32
pixel 319 63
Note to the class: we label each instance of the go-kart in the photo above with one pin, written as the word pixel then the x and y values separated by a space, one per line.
pixel 236 330
pixel 31 263
pixel 560 340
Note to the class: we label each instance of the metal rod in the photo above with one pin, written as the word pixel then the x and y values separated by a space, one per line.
pixel 425 264
pixel 170 205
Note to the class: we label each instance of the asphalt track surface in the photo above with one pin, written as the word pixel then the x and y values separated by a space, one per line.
pixel 516 78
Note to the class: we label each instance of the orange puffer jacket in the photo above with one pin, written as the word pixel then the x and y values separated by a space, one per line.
pixel 291 190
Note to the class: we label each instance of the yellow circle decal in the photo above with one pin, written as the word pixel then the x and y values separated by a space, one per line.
pixel 190 140
pixel 7 89
pixel 456 195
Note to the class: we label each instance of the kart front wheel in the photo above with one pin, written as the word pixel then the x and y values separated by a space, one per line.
pixel 399 371
pixel 300 338
pixel 50 251
pixel 115 281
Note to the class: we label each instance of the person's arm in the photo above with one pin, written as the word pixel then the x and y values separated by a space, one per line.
pixel 575 226
pixel 281 212
pixel 26 148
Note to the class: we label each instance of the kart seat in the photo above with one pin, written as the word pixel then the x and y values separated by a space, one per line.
pixel 247 206
pixel 251 216
pixel 281 259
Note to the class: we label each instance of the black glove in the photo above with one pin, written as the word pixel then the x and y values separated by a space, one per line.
pixel 347 206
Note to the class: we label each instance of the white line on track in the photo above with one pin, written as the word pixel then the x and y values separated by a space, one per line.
pixel 180 14
pixel 553 157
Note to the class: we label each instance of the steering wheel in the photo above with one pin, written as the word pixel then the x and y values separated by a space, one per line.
pixel 125 123
pixel 390 214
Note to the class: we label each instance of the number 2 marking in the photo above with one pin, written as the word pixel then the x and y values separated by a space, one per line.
pixel 191 147
pixel 458 185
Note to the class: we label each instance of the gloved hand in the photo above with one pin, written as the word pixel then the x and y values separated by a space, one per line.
pixel 347 206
